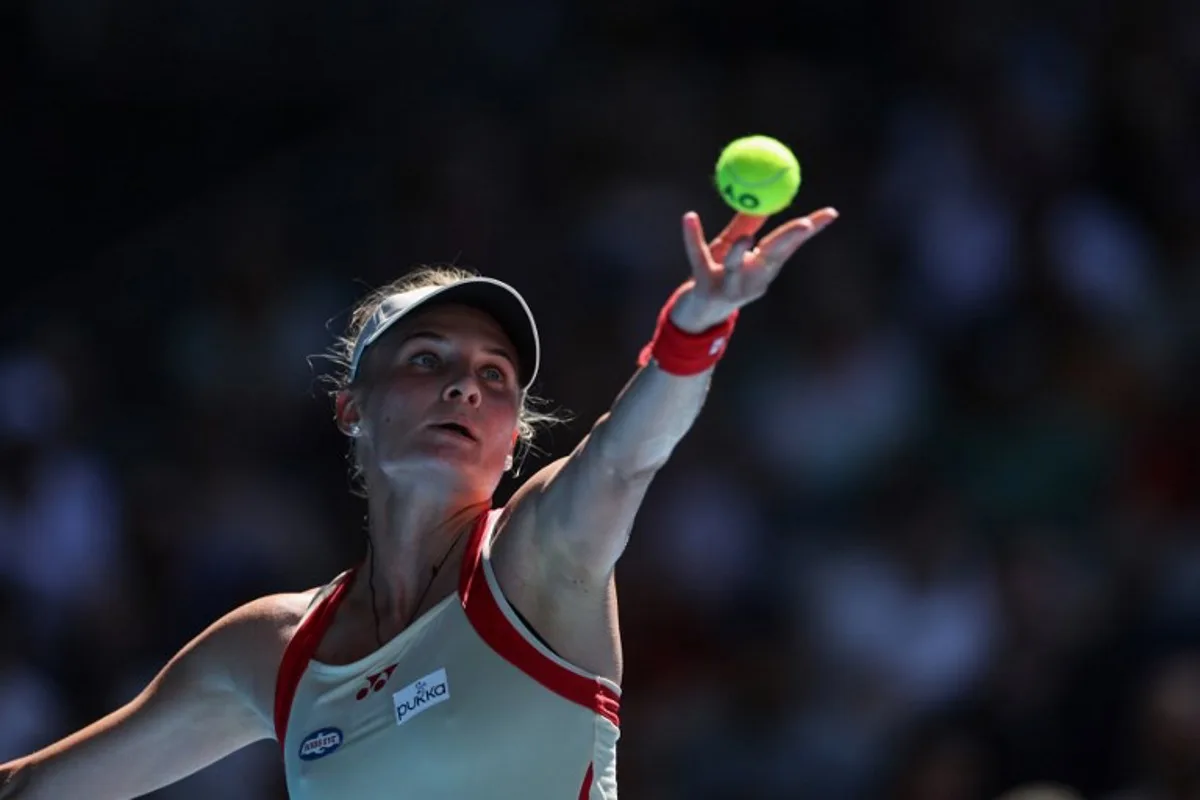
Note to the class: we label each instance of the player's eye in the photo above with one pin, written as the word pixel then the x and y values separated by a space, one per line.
pixel 493 374
pixel 425 359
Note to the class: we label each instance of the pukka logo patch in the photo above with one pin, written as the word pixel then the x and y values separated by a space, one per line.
pixel 421 695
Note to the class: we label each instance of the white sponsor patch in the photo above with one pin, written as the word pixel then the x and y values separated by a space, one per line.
pixel 421 695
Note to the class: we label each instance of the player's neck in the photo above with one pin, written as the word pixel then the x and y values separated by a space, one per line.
pixel 412 532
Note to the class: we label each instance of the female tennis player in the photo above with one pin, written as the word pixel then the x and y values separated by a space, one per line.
pixel 475 652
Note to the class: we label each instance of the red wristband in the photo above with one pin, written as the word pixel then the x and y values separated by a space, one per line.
pixel 681 353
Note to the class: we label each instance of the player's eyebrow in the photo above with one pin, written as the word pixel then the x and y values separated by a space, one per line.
pixel 437 337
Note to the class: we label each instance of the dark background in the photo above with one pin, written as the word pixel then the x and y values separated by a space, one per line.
pixel 936 532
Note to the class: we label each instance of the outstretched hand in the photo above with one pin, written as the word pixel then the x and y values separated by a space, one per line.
pixel 731 271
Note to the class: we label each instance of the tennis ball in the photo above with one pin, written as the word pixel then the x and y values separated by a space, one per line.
pixel 758 175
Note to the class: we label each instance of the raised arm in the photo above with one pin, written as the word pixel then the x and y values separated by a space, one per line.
pixel 212 698
pixel 573 518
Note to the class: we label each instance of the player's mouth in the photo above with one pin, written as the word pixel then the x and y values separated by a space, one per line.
pixel 458 429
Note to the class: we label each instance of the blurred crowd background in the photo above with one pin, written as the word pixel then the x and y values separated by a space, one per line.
pixel 936 535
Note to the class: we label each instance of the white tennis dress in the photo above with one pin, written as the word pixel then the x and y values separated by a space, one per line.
pixel 464 703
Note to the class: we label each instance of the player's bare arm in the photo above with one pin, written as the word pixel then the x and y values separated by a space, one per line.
pixel 568 525
pixel 213 697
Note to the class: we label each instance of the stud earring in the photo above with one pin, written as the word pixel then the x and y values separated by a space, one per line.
pixel 355 430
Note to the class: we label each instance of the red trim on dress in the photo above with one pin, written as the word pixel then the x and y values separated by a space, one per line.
pixel 473 551
pixel 487 618
pixel 300 651
pixel 585 791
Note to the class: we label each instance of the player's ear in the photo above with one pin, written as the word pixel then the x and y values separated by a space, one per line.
pixel 347 414
pixel 508 459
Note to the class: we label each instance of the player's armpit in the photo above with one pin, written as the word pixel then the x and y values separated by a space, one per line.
pixel 573 518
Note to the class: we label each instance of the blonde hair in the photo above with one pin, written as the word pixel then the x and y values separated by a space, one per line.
pixel 532 416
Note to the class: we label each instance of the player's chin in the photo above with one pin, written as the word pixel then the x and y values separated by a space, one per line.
pixel 444 463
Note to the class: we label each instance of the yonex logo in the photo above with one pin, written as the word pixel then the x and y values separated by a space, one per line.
pixel 319 744
pixel 421 695
pixel 375 682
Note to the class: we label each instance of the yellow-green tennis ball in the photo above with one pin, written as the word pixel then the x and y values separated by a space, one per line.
pixel 758 175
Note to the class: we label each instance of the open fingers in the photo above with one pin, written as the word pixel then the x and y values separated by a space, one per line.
pixel 736 257
pixel 697 249
pixel 742 226
pixel 734 276
pixel 778 246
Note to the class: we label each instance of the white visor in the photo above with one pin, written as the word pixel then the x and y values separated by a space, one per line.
pixel 491 296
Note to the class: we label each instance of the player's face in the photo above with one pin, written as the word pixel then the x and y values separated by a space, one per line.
pixel 439 397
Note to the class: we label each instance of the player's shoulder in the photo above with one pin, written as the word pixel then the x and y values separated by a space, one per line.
pixel 260 629
pixel 283 608
pixel 280 612
pixel 273 616
pixel 248 643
